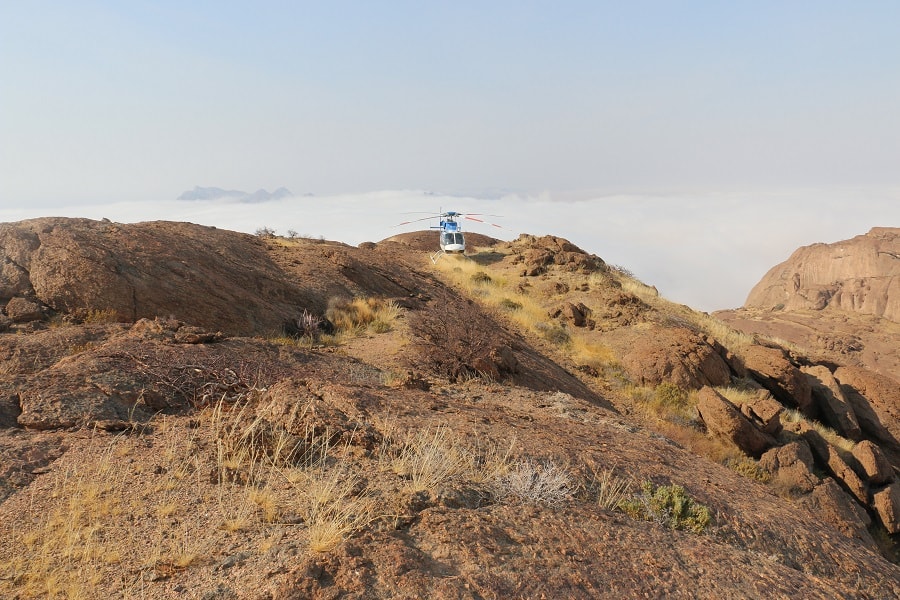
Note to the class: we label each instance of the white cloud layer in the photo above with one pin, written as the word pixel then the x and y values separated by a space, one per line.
pixel 704 250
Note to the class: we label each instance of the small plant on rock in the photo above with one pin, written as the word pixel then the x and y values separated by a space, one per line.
pixel 668 505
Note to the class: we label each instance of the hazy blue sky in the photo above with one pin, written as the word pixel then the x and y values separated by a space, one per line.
pixel 738 130
pixel 143 99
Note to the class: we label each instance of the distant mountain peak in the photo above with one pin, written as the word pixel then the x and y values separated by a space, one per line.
pixel 216 193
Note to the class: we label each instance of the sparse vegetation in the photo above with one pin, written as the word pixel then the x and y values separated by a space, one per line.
pixel 360 313
pixel 554 333
pixel 668 505
pixel 749 468
pixel 668 396
pixel 332 504
pixel 510 305
pixel 481 277
pixel 429 459
pixel 101 316
pixel 536 482
pixel 609 489
pixel 842 444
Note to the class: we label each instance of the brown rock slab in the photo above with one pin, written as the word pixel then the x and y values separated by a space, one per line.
pixel 833 505
pixel 724 419
pixel 792 464
pixel 764 412
pixel 772 369
pixel 205 276
pixel 832 403
pixel 22 310
pixel 828 456
pixel 886 503
pixel 876 402
pixel 670 354
pixel 872 463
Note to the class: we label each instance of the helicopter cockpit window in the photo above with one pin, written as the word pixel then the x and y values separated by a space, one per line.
pixel 450 238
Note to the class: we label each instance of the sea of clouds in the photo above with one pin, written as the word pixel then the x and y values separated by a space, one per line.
pixel 705 250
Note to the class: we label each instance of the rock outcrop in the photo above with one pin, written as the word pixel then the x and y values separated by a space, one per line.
pixel 839 302
pixel 772 369
pixel 876 403
pixel 832 403
pixel 207 277
pixel 724 419
pixel 674 354
pixel 861 275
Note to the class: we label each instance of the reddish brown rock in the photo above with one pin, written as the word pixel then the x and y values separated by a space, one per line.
pixel 208 277
pixel 499 362
pixel 576 314
pixel 669 354
pixel 734 362
pixel 831 402
pixel 872 463
pixel 886 503
pixel 876 402
pixel 536 253
pixel 22 310
pixel 722 418
pixel 833 505
pixel 792 465
pixel 828 456
pixel 771 368
pixel 858 275
pixel 764 412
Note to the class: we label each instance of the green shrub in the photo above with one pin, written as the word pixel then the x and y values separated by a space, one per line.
pixel 669 395
pixel 667 505
pixel 481 277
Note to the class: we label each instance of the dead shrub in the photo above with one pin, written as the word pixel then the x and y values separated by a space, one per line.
pixel 454 342
pixel 536 482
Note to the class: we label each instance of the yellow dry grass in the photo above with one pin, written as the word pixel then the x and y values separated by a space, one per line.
pixel 843 444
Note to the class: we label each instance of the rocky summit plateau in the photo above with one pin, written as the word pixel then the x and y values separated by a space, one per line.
pixel 189 412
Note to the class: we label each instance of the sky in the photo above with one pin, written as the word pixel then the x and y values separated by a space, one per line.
pixel 695 143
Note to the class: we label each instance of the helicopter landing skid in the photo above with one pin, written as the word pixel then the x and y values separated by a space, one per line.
pixel 436 256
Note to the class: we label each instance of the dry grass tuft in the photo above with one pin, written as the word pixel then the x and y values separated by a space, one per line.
pixel 429 459
pixel 609 489
pixel 101 317
pixel 333 504
pixel 535 482
pixel 843 445
pixel 361 313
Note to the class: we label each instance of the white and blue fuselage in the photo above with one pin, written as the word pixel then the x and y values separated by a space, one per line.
pixel 452 241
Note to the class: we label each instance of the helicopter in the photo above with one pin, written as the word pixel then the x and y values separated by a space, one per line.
pixel 451 237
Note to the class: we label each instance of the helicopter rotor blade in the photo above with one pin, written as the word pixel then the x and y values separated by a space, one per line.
pixel 417 220
pixel 483 221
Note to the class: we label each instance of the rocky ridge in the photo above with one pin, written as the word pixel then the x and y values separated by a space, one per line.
pixel 840 302
pixel 860 275
pixel 124 342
